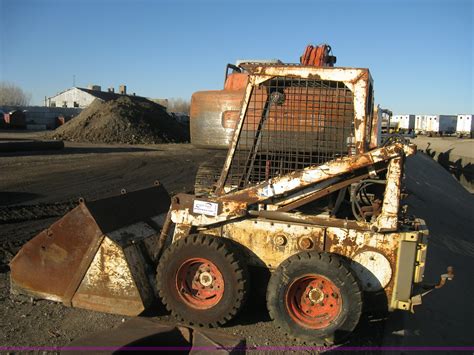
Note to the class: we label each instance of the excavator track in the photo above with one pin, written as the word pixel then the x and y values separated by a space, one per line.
pixel 208 174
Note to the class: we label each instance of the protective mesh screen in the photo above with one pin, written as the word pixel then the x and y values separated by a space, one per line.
pixel 290 124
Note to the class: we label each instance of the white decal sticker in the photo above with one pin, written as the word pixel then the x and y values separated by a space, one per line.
pixel 205 207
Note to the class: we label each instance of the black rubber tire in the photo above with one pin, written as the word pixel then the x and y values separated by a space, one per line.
pixel 331 267
pixel 229 263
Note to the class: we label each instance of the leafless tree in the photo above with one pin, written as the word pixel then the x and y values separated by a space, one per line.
pixel 13 95
pixel 178 105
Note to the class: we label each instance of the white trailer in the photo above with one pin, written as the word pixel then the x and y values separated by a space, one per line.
pixel 464 126
pixel 420 124
pixel 441 124
pixel 406 123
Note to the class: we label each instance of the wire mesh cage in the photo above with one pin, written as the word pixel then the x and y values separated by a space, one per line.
pixel 290 124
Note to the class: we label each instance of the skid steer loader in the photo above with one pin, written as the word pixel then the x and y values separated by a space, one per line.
pixel 306 191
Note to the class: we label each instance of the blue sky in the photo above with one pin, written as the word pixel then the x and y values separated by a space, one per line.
pixel 420 52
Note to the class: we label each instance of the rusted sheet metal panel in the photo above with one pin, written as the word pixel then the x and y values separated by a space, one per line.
pixel 388 219
pixel 236 82
pixel 108 284
pixel 213 117
pixel 116 281
pixel 268 243
pixel 374 255
pixel 52 264
pixel 181 230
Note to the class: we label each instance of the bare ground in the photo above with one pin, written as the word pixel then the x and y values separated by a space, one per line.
pixel 94 171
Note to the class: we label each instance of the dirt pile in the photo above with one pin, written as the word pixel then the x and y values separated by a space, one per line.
pixel 123 120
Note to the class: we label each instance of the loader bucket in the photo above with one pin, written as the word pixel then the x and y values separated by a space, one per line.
pixel 99 256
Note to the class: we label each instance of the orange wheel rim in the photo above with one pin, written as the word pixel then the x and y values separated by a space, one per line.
pixel 199 283
pixel 313 301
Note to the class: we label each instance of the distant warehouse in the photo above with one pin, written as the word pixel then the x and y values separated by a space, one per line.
pixel 82 97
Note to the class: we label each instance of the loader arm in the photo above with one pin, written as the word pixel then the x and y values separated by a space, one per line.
pixel 187 210
pixel 297 180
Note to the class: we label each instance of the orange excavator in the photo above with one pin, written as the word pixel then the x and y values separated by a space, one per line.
pixel 214 113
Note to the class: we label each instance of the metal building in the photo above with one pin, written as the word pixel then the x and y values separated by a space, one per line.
pixel 82 97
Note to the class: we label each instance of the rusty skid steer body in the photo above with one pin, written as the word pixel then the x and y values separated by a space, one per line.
pixel 308 192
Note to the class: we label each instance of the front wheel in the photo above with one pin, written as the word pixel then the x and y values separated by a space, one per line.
pixel 202 280
pixel 315 298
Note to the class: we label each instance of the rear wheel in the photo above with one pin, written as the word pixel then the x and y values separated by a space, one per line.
pixel 315 298
pixel 202 281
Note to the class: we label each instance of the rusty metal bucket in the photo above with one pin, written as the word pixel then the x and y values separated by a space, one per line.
pixel 99 256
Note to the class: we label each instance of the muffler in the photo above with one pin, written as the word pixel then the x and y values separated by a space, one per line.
pixel 99 256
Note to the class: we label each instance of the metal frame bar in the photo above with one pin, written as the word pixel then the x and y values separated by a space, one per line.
pixel 235 205
pixel 388 218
